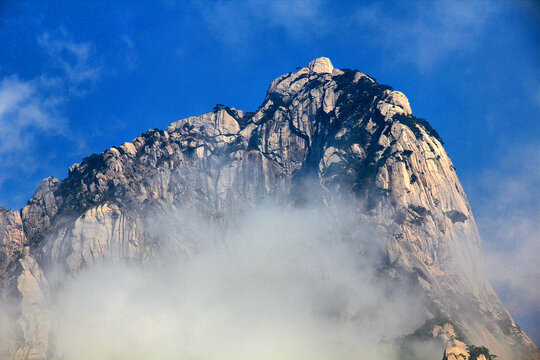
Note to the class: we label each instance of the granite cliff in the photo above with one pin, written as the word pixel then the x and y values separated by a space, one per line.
pixel 354 138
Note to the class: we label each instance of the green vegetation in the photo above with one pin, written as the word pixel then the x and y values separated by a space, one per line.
pixel 219 107
pixel 412 122
pixel 476 351
pixel 94 162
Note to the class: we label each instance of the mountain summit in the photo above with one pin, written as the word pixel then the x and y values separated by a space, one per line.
pixel 322 137
pixel 321 65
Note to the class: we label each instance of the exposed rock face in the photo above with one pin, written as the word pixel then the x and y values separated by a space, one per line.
pixel 448 335
pixel 41 209
pixel 33 323
pixel 455 353
pixel 12 239
pixel 339 127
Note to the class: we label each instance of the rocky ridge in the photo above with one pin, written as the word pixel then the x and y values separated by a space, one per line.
pixel 340 127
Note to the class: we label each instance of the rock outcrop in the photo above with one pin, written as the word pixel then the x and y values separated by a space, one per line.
pixel 12 239
pixel 455 353
pixel 355 137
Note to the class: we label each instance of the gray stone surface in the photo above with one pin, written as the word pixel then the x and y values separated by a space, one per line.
pixel 356 138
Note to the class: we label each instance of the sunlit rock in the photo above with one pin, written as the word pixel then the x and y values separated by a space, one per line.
pixel 455 353
pixel 321 135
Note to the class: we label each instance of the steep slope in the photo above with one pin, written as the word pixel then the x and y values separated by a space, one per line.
pixel 339 127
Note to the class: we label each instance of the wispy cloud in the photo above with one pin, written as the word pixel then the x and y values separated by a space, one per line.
pixel 25 110
pixel 75 59
pixel 130 52
pixel 425 33
pixel 238 23
pixel 505 202
pixel 32 109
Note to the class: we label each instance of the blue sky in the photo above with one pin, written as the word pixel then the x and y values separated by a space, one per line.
pixel 79 77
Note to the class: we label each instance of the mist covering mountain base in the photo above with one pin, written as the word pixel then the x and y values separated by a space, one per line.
pixel 276 285
pixel 328 224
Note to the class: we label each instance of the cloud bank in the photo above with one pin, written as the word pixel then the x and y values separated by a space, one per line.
pixel 278 284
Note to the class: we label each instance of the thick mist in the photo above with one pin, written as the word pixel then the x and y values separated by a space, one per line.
pixel 274 283
pixel 507 210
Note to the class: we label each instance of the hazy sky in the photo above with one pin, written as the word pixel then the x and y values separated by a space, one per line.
pixel 79 77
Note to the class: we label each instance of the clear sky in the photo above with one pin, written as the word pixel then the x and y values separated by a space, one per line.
pixel 77 77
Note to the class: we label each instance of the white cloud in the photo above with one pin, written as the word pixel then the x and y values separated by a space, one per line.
pixel 74 58
pixel 25 111
pixel 238 23
pixel 131 57
pixel 32 109
pixel 276 284
pixel 507 209
pixel 425 32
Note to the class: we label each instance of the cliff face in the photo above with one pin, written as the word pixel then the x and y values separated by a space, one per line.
pixel 356 138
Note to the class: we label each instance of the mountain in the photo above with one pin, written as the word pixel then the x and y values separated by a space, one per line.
pixel 322 137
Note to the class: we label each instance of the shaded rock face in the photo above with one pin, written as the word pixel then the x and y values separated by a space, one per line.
pixel 353 137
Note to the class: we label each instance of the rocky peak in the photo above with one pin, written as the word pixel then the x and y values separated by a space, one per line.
pixel 213 124
pixel 348 133
pixel 12 239
pixel 321 65
pixel 320 69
